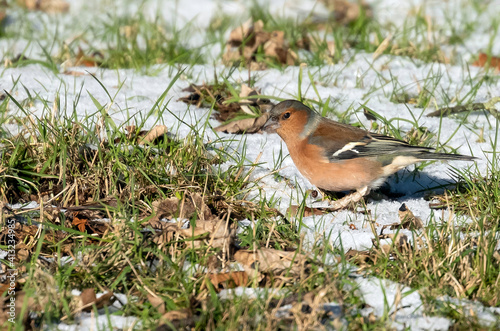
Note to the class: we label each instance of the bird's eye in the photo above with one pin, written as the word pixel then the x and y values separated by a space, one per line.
pixel 286 115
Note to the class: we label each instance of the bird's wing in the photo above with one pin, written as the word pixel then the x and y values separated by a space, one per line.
pixel 342 142
pixel 383 148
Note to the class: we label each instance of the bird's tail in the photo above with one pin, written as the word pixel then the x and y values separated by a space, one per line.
pixel 446 156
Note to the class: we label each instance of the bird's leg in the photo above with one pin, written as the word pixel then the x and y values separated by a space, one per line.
pixel 350 198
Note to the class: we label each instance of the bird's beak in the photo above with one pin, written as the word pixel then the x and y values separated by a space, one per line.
pixel 271 125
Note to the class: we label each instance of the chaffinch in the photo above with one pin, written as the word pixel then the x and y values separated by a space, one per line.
pixel 339 157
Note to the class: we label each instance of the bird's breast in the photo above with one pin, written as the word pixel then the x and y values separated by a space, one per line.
pixel 344 175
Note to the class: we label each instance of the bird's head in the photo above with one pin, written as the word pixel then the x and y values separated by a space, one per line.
pixel 290 117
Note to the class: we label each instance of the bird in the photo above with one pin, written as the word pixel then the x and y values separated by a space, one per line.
pixel 340 157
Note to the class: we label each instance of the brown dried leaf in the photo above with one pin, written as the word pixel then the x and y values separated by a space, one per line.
pixel 382 47
pixel 48 6
pixel 408 220
pixel 191 99
pixel 231 54
pixel 401 240
pixel 245 40
pixel 247 125
pixel 267 260
pixel 213 232
pixel 257 66
pixel 143 137
pixel 174 315
pixel 208 230
pixel 230 279
pixel 157 302
pixel 88 298
pixel 275 47
pixel 358 256
pixel 74 73
pixel 18 301
pixel 166 208
pixel 22 254
pixel 293 210
pixel 346 12
pixel 482 61
pixel 237 35
pixel 155 133
pixel 79 222
pixel 86 60
pixel 194 203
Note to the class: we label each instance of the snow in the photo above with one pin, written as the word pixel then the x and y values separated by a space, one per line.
pixel 399 303
pixel 361 81
pixel 90 322
pixel 486 316
pixel 251 293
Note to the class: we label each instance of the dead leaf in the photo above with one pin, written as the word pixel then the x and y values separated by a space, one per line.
pixel 482 61
pixel 81 59
pixel 157 303
pixel 382 47
pixel 267 260
pixel 275 47
pixel 294 209
pixel 345 12
pixel 74 73
pixel 247 125
pixel 48 6
pixel 207 230
pixel 79 222
pixel 358 256
pixel 218 96
pixel 88 299
pixel 176 314
pixel 247 91
pixel 245 41
pixel 154 134
pixel 6 312
pixel 213 232
pixel 496 255
pixel 400 241
pixel 173 207
pixel 181 319
pixel 408 220
pixel 230 279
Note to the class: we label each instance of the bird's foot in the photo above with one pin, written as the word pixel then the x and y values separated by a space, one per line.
pixel 349 199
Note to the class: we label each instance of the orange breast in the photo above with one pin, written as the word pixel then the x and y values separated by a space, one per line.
pixel 337 176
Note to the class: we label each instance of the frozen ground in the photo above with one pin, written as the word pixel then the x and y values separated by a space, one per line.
pixel 360 81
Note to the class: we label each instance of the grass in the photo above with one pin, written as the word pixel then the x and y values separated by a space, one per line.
pixel 62 154
pixel 95 166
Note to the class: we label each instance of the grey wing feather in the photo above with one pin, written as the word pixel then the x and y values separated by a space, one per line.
pixel 384 148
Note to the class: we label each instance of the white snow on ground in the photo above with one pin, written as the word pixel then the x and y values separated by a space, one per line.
pixel 90 322
pixel 251 292
pixel 486 316
pixel 400 304
pixel 361 81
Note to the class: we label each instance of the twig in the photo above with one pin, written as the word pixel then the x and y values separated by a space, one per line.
pixel 488 105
